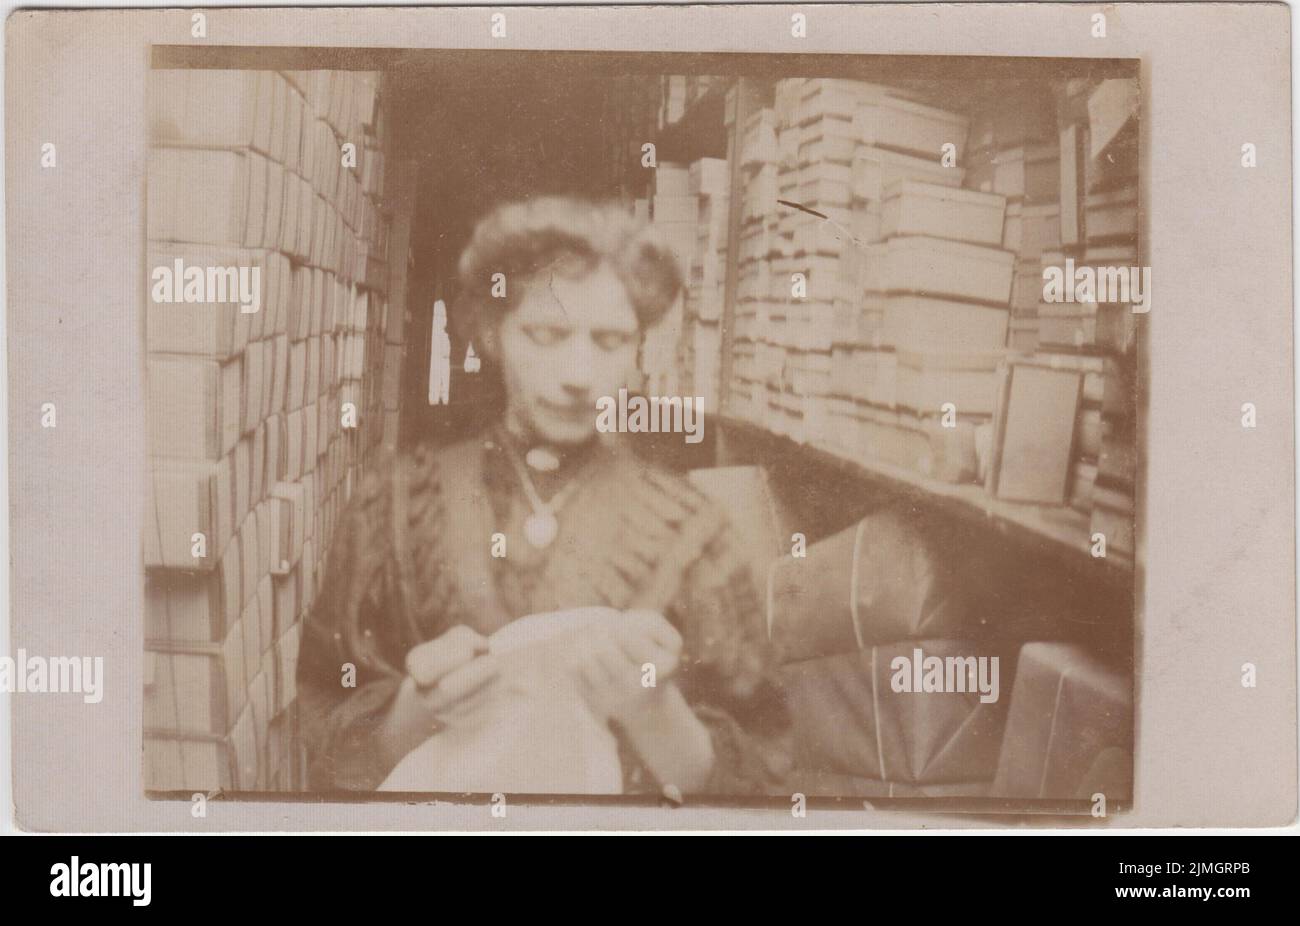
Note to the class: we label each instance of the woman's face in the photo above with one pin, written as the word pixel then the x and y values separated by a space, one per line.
pixel 567 343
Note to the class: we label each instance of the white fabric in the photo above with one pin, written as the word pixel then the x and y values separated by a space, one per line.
pixel 539 736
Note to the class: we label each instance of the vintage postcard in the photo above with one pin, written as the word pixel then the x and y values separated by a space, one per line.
pixel 829 422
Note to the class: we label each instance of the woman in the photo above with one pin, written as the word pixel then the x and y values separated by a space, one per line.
pixel 640 567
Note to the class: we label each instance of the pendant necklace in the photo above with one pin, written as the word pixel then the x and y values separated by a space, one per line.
pixel 542 526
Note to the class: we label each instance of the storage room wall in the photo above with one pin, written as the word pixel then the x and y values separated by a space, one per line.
pixel 259 423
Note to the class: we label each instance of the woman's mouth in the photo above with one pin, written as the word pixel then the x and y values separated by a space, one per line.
pixel 571 412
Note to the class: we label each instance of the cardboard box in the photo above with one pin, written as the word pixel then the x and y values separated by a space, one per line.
pixel 904 125
pixel 212 330
pixel 199 195
pixel 285 589
pixel 210 108
pixel 1069 732
pixel 1112 215
pixel 1034 439
pixel 933 266
pixel 186 498
pixel 1042 230
pixel 242 469
pixel 928 380
pixel 292 193
pixel 194 407
pixel 874 169
pixel 293 445
pixel 915 208
pixel 919 323
pixel 184 606
pixel 257 464
pixel 709 177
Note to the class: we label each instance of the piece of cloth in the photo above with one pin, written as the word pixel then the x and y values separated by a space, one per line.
pixel 539 737
pixel 412 557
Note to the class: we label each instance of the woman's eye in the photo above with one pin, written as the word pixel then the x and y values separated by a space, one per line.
pixel 545 335
pixel 611 340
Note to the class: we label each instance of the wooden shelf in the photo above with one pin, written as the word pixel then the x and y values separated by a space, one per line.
pixel 1066 531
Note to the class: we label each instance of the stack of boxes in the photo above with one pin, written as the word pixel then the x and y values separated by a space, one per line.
pixel 675 212
pixel 759 369
pixel 1078 209
pixel 253 447
pixel 1014 152
pixel 706 284
pixel 882 288
pixel 1110 238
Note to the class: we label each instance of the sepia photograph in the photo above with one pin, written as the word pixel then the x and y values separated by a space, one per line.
pixel 731 429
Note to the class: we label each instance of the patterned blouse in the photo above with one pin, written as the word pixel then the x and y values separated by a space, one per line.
pixel 411 558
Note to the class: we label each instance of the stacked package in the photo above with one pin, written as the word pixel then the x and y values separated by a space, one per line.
pixel 1110 235
pixel 709 184
pixel 865 363
pixel 758 358
pixel 253 445
pixel 1068 165
pixel 933 282
pixel 1014 152
pixel 674 211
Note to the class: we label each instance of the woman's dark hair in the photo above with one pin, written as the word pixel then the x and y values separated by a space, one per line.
pixel 571 237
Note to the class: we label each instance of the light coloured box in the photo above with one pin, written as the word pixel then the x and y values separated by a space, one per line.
pixel 293 444
pixel 1035 432
pixel 709 177
pixel 313 371
pixel 927 381
pixel 874 169
pixel 915 208
pixel 289 212
pixel 257 463
pixel 308 566
pixel 1042 230
pixel 187 606
pixel 914 322
pixel 311 435
pixel 274 200
pixel 1113 214
pixel 243 742
pixel 194 407
pixel 947 268
pixel 255 212
pixel 213 330
pixel 198 195
pixel 187 498
pixel 210 108
pixel 252 639
pixel 242 479
pixel 296 380
pixel 908 126
pixel 286 590
pixel 294 115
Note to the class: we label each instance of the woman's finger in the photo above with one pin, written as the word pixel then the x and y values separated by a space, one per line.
pixel 463 682
pixel 430 661
pixel 654 625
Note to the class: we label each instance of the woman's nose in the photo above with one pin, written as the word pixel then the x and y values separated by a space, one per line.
pixel 575 365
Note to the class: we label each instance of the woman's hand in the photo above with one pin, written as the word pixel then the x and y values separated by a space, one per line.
pixel 612 659
pixel 447 680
